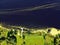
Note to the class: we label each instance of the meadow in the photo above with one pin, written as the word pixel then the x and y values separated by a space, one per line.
pixel 11 37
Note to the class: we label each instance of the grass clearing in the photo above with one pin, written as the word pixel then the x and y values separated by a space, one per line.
pixel 30 39
pixel 34 40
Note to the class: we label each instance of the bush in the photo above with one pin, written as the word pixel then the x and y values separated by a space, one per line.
pixel 12 39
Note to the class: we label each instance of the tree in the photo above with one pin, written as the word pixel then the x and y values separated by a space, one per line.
pixel 11 38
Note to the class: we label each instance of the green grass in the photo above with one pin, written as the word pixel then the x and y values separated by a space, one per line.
pixel 34 40
pixel 19 40
pixel 49 40
pixel 30 39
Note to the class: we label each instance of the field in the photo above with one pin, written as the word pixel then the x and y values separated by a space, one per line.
pixel 11 37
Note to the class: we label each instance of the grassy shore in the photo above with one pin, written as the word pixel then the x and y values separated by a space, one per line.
pixel 28 38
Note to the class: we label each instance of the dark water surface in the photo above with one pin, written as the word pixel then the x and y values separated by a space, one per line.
pixel 46 17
